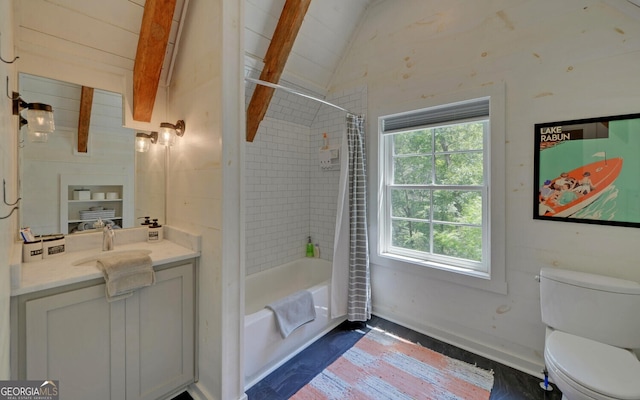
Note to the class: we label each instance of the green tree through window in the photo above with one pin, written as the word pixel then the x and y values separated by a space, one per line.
pixel 448 217
pixel 436 191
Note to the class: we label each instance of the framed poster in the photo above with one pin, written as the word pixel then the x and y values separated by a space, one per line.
pixel 588 171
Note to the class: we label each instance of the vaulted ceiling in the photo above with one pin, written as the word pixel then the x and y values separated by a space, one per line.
pixel 108 32
pixel 319 46
pixel 310 60
pixel 104 32
pixel 120 35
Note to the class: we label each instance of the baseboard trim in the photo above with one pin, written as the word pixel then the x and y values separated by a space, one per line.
pixel 196 391
pixel 511 360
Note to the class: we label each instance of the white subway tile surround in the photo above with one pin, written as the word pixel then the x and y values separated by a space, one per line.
pixel 288 196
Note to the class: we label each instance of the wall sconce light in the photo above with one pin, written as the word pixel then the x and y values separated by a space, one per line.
pixel 144 141
pixel 169 132
pixel 39 118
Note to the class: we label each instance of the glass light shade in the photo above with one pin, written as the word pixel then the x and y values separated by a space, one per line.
pixel 37 137
pixel 40 121
pixel 166 136
pixel 142 144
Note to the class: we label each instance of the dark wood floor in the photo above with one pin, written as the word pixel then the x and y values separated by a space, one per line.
pixel 509 383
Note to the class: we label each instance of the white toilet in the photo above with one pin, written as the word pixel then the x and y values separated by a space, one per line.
pixel 592 322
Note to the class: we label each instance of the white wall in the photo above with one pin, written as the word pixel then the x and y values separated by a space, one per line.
pixel 150 184
pixel 558 61
pixel 8 171
pixel 194 197
pixel 204 180
pixel 208 65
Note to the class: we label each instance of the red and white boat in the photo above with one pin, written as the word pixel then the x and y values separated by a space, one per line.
pixel 603 174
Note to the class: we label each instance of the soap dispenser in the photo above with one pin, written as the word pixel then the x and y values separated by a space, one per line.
pixel 309 248
pixel 155 232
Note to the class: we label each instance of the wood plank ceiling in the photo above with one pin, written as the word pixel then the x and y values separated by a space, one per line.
pixel 98 32
pixel 106 33
pixel 314 56
pixel 152 45
pixel 284 36
pixel 320 45
pixel 150 56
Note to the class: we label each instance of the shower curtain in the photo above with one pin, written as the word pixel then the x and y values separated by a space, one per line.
pixel 350 281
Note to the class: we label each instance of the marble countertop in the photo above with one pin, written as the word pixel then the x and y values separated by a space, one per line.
pixel 60 270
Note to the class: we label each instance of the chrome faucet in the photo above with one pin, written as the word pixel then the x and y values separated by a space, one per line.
pixel 108 235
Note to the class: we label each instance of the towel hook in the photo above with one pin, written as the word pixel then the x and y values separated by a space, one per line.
pixel 16 97
pixel 5 61
pixel 4 195
pixel 8 215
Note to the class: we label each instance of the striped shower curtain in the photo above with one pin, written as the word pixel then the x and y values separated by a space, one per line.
pixel 350 281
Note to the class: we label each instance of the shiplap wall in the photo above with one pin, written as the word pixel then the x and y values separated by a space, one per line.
pixel 9 174
pixel 557 60
pixel 150 184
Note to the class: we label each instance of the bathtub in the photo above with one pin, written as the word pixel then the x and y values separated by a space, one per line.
pixel 264 348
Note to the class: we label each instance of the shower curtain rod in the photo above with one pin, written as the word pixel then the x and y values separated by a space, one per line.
pixel 276 86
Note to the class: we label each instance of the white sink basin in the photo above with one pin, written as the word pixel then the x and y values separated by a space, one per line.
pixel 105 254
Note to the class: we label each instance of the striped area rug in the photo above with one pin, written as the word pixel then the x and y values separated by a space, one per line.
pixel 383 366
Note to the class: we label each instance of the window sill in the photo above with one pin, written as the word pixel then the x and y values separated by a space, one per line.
pixel 474 279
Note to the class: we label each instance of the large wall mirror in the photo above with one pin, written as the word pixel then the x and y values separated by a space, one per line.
pixel 65 190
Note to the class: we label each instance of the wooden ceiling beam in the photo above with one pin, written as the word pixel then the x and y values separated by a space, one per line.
pixel 152 45
pixel 278 52
pixel 84 118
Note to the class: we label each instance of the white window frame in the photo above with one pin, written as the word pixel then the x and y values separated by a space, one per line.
pixel 493 276
pixel 479 268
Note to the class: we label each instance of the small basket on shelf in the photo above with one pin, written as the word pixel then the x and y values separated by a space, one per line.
pixel 95 214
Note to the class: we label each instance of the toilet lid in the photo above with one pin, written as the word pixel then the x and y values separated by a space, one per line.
pixel 605 369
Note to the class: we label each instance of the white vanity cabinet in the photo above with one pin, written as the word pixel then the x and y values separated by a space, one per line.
pixel 141 347
pixel 160 334
pixel 69 338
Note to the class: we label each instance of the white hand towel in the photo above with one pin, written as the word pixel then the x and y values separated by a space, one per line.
pixel 124 273
pixel 116 265
pixel 129 283
pixel 293 311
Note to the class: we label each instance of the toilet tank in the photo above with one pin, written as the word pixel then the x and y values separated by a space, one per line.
pixel 593 306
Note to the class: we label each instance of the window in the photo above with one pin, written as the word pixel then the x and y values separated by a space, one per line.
pixel 435 203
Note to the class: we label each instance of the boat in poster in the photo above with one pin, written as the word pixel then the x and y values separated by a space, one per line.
pixel 576 189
